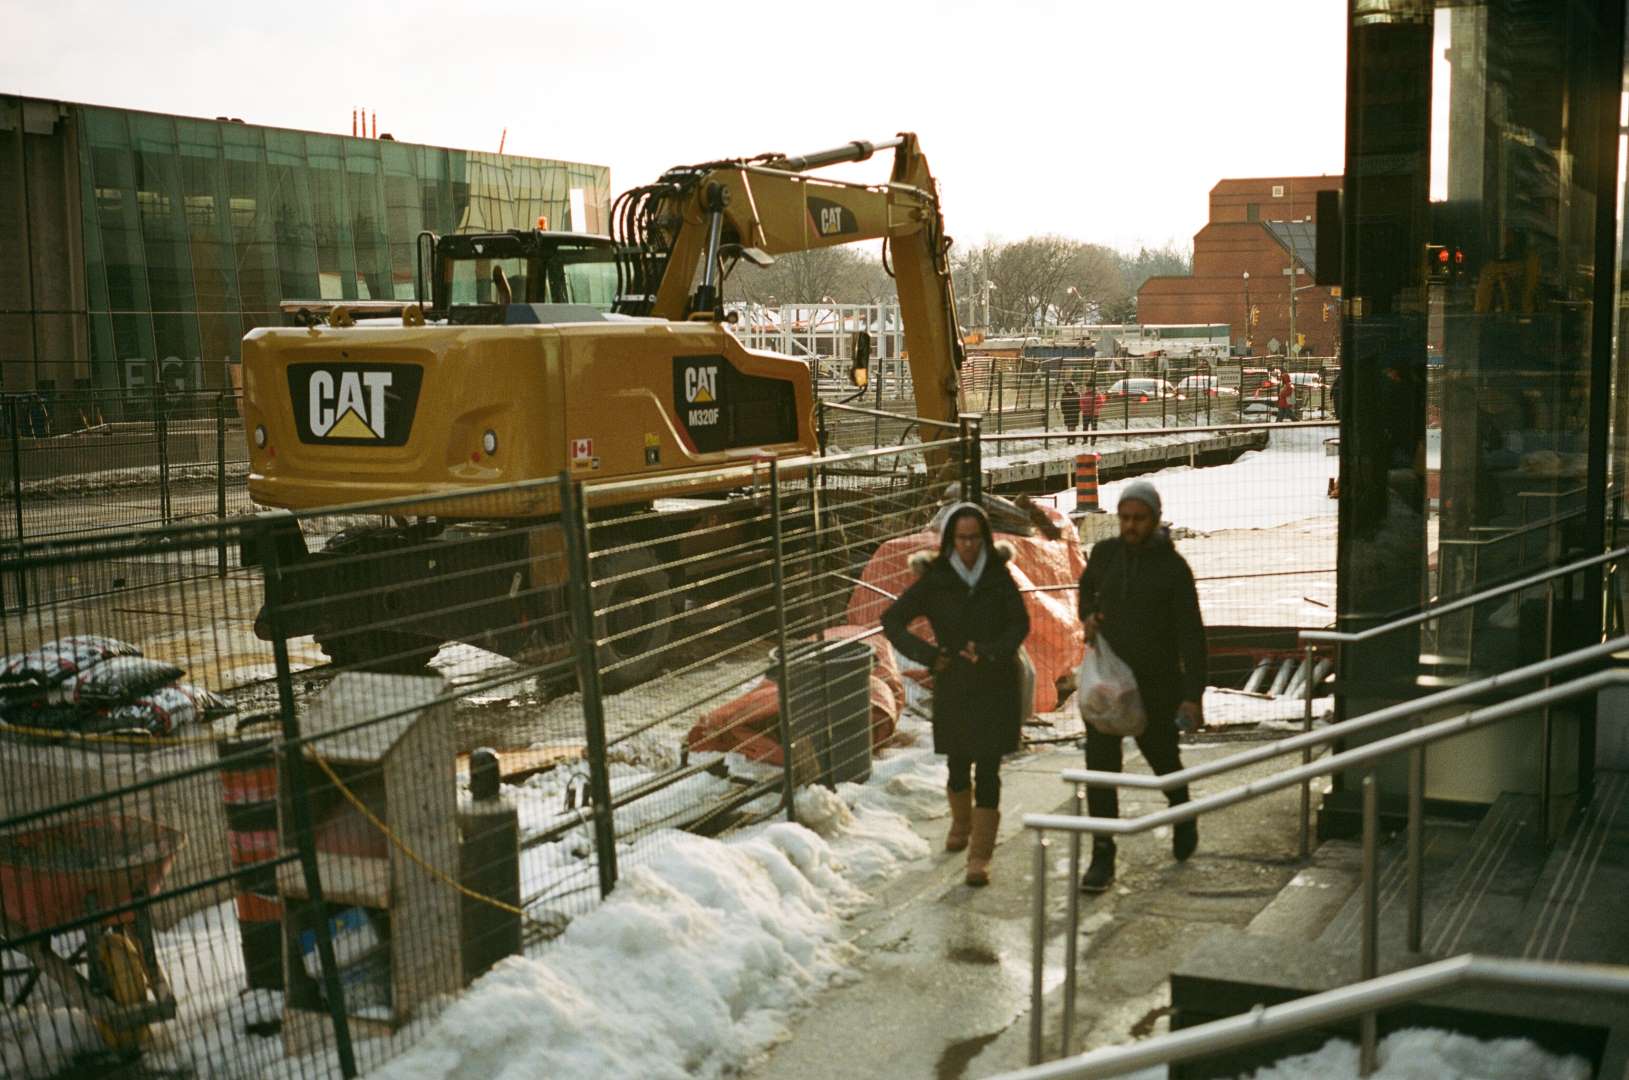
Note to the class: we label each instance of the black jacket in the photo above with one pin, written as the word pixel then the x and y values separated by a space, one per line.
pixel 976 711
pixel 1151 618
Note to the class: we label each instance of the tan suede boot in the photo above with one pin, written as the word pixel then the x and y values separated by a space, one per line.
pixel 982 845
pixel 961 818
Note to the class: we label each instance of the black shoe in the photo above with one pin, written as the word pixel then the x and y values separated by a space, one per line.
pixel 1184 839
pixel 1100 874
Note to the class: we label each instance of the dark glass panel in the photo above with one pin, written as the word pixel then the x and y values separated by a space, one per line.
pixel 96 295
pixel 161 207
pixel 365 200
pixel 175 340
pixel 133 343
pixel 335 263
pixel 289 195
pixel 104 358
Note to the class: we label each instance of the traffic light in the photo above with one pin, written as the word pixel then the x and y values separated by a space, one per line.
pixel 1436 262
pixel 1255 314
pixel 1326 313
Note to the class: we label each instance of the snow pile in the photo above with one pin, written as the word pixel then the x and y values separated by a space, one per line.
pixel 41 1039
pixel 689 968
pixel 1286 483
pixel 1427 1054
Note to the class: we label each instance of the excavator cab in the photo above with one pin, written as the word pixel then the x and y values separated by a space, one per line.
pixel 517 277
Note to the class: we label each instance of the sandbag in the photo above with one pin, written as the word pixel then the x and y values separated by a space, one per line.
pixel 161 712
pixel 113 681
pixel 58 660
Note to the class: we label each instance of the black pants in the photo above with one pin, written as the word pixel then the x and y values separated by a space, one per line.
pixel 1158 742
pixel 987 789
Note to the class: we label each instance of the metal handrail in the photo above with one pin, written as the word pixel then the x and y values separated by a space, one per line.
pixel 950 425
pixel 1079 824
pixel 1138 432
pixel 1316 1010
pixel 1335 637
pixel 1280 747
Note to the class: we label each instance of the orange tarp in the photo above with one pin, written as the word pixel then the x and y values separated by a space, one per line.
pixel 748 724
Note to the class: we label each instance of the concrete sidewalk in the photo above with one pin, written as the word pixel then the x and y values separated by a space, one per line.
pixel 943 991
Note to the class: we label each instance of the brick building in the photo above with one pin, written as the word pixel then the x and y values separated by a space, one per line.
pixel 1263 227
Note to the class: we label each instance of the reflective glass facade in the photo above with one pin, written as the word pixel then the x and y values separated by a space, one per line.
pixel 1482 241
pixel 137 247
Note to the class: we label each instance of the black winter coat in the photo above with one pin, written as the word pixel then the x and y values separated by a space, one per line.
pixel 976 711
pixel 1151 618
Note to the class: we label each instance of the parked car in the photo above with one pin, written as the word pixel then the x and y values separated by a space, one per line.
pixel 1139 390
pixel 1202 386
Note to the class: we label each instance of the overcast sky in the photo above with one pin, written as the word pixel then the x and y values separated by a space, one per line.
pixel 1104 120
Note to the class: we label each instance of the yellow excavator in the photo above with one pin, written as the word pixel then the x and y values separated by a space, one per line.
pixel 529 354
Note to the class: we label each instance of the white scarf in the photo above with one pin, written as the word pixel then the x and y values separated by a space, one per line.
pixel 970 576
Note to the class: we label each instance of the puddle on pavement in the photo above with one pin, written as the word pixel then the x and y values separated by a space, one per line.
pixel 982 955
pixel 958 1056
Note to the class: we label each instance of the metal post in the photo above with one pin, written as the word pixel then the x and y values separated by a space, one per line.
pixel 1001 403
pixel 1072 936
pixel 579 589
pixel 161 428
pixel 1046 403
pixel 299 805
pixel 1546 730
pixel 976 427
pixel 1416 846
pixel 220 483
pixel 1037 985
pixel 785 726
pixel 17 500
pixel 876 421
pixel 1306 757
pixel 1370 955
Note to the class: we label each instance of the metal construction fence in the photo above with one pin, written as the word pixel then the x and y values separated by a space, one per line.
pixel 268 821
pixel 83 462
pixel 1080 395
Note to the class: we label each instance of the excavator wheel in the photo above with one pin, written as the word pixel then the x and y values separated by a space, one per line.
pixel 380 650
pixel 639 628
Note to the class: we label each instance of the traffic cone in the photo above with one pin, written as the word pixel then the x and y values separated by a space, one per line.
pixel 1086 484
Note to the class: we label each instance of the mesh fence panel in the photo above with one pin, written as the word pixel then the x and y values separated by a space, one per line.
pixel 275 843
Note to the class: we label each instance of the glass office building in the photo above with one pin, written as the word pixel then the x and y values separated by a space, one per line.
pixel 138 248
pixel 1483 368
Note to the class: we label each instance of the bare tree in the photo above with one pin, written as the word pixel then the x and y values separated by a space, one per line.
pixel 846 275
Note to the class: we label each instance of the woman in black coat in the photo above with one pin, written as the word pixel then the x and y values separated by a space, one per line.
pixel 979 622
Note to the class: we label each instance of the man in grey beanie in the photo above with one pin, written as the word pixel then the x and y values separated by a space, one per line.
pixel 1139 594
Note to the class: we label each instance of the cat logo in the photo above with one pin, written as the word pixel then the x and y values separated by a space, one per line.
pixel 701 392
pixel 832 219
pixel 356 410
pixel 701 385
pixel 354 404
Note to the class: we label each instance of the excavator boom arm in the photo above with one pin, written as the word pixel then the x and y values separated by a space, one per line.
pixel 775 208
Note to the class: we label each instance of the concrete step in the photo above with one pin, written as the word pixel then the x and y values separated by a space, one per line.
pixel 1576 909
pixel 1492 888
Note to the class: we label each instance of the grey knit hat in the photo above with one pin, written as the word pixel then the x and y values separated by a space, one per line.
pixel 1143 492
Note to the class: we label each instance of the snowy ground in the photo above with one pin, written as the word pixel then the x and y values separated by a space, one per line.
pixel 1259 532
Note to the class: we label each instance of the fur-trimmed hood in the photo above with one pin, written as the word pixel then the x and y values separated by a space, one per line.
pixel 1002 550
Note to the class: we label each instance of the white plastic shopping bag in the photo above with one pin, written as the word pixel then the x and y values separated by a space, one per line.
pixel 1109 699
